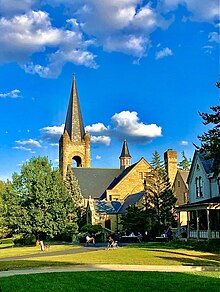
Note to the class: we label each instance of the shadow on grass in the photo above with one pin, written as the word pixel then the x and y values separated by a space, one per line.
pixel 108 280
pixel 213 259
pixel 22 264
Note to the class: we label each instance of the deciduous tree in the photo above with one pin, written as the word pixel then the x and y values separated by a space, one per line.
pixel 36 201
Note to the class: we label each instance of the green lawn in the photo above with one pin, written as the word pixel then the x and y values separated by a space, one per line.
pixel 112 281
pixel 8 250
pixel 124 255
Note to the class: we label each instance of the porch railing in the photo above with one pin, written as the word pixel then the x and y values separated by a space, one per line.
pixel 204 234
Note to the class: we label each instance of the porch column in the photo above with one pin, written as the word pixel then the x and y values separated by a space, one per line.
pixel 178 225
pixel 208 224
pixel 188 227
pixel 197 223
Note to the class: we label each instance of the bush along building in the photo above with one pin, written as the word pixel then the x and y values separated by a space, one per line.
pixel 107 192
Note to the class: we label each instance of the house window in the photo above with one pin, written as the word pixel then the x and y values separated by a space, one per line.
pixel 110 197
pixel 141 175
pixel 145 174
pixel 178 183
pixel 199 187
pixel 197 167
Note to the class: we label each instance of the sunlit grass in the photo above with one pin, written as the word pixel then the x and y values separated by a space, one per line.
pixel 138 256
pixel 108 281
pixel 19 251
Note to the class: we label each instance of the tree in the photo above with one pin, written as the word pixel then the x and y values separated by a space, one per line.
pixel 135 220
pixel 36 201
pixel 73 189
pixel 185 163
pixel 3 230
pixel 159 199
pixel 210 140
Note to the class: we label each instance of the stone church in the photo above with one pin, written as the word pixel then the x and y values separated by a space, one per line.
pixel 107 192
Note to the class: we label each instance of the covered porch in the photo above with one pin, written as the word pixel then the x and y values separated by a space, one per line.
pixel 203 219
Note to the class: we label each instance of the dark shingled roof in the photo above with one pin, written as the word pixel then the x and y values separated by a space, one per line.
pixel 130 200
pixel 108 207
pixel 74 122
pixel 207 164
pixel 94 181
pixel 125 151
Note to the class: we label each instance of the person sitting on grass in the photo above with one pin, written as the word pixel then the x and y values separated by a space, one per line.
pixel 89 239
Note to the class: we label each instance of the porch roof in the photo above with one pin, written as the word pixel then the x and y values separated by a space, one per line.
pixel 212 203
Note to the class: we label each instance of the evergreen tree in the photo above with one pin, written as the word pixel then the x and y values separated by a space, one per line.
pixel 159 199
pixel 36 201
pixel 134 220
pixel 185 163
pixel 210 140
pixel 73 189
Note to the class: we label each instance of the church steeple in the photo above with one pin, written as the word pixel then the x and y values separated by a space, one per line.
pixel 125 157
pixel 74 144
pixel 74 122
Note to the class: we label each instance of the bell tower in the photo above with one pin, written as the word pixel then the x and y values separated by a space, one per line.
pixel 74 144
pixel 125 157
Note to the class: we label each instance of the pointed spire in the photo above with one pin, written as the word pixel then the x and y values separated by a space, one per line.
pixel 74 122
pixel 125 151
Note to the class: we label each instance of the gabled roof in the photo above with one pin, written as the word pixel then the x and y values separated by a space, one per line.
pixel 184 175
pixel 108 207
pixel 94 181
pixel 74 122
pixel 207 164
pixel 121 176
pixel 125 151
pixel 130 200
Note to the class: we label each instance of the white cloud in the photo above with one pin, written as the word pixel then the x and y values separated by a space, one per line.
pixel 184 143
pixel 200 10
pixel 214 37
pixel 101 140
pixel 23 35
pixel 30 143
pixel 52 134
pixel 54 144
pixel 23 148
pixel 10 7
pixel 56 161
pixel 96 128
pixel 12 94
pixel 163 53
pixel 126 124
pixel 98 157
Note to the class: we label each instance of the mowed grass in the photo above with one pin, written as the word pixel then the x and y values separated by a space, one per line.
pixel 11 251
pixel 124 255
pixel 139 256
pixel 112 281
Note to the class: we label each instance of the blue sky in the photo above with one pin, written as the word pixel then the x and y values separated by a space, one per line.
pixel 144 69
